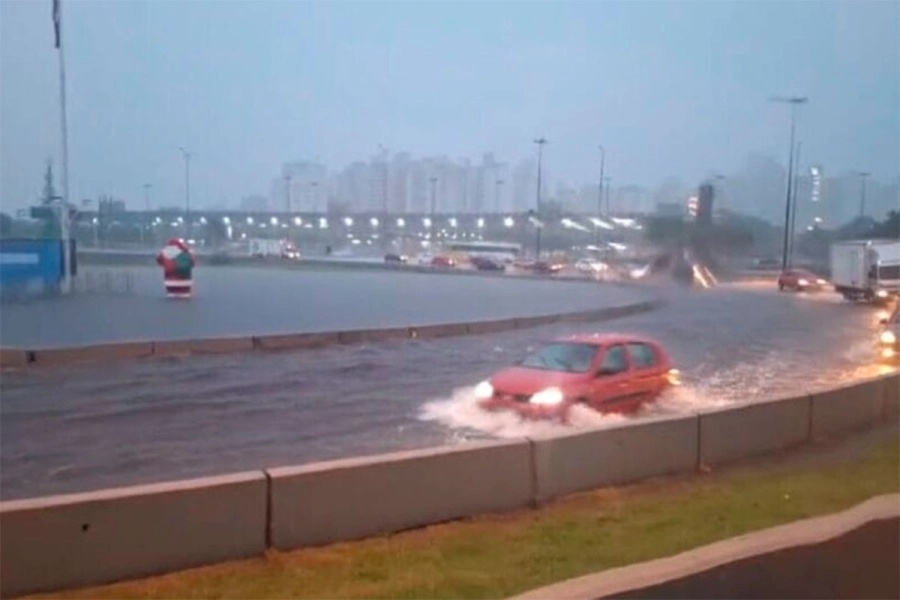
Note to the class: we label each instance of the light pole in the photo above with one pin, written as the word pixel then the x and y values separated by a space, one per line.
pixel 794 206
pixel 862 192
pixel 64 234
pixel 147 187
pixel 537 243
pixel 287 189
pixel 187 191
pixel 794 102
pixel 497 186
pixel 431 220
pixel 600 192
pixel 608 207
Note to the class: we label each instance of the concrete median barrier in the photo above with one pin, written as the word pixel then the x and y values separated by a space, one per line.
pixel 753 429
pixel 14 358
pixel 435 331
pixel 588 460
pixel 354 498
pixel 372 335
pixel 99 537
pixel 848 408
pixel 101 352
pixel 202 346
pixel 295 341
pixel 491 326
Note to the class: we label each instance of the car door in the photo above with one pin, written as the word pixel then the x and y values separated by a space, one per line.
pixel 611 387
pixel 647 372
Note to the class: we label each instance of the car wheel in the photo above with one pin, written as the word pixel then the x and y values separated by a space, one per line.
pixel 780 287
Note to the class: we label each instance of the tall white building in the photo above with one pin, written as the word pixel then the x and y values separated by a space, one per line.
pixel 302 187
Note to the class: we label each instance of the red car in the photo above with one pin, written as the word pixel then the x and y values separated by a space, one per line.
pixel 609 373
pixel 800 280
pixel 443 261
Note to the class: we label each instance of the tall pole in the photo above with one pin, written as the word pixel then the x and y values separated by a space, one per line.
pixel 794 206
pixel 608 207
pixel 600 193
pixel 431 219
pixel 537 242
pixel 794 102
pixel 287 195
pixel 498 185
pixel 66 282
pixel 862 193
pixel 147 187
pixel 187 191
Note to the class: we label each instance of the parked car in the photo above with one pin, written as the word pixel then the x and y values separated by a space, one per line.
pixel 609 373
pixel 800 280
pixel 395 258
pixel 444 262
pixel 483 263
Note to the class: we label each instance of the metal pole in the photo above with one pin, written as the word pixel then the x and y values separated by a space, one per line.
pixel 600 193
pixel 498 185
pixel 66 282
pixel 794 206
pixel 794 102
pixel 431 220
pixel 187 191
pixel 287 183
pixel 537 242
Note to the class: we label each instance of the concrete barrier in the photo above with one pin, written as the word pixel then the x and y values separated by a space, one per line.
pixel 99 537
pixel 587 460
pixel 491 326
pixel 848 408
pixel 753 429
pixel 354 498
pixel 434 331
pixel 373 335
pixel 892 397
pixel 294 341
pixel 14 358
pixel 101 352
pixel 202 346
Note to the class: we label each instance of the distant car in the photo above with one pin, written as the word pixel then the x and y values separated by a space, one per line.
pixel 395 258
pixel 800 280
pixel 540 266
pixel 889 337
pixel 482 263
pixel 609 373
pixel 444 262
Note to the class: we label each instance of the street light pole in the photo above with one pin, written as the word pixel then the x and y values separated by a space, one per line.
pixel 600 193
pixel 287 189
pixel 537 243
pixel 794 205
pixel 862 192
pixel 431 220
pixel 794 102
pixel 498 185
pixel 187 191
pixel 64 234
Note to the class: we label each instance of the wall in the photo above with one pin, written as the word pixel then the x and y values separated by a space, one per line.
pixel 67 541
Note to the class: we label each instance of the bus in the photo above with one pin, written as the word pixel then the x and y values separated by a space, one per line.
pixel 501 252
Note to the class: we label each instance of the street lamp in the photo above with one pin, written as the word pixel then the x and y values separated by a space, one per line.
pixel 794 102
pixel 537 242
pixel 187 189
pixel 600 191
pixel 433 200
pixel 862 192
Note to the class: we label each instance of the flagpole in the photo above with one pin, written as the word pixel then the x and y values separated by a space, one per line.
pixel 66 283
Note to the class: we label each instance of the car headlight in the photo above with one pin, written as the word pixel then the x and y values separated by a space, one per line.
pixel 881 293
pixel 803 282
pixel 484 390
pixel 548 397
pixel 888 337
pixel 821 281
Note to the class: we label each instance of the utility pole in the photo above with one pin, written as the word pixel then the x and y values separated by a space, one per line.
pixel 187 191
pixel 64 234
pixel 794 102
pixel 537 244
pixel 431 220
pixel 862 192
pixel 794 205
pixel 600 193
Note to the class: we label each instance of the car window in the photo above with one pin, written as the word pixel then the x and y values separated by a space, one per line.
pixel 615 361
pixel 643 355
pixel 567 357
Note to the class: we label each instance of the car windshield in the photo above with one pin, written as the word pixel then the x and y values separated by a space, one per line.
pixel 562 356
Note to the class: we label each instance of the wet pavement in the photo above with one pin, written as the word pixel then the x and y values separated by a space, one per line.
pixel 91 426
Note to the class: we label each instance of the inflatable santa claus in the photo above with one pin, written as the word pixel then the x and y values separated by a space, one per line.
pixel 178 266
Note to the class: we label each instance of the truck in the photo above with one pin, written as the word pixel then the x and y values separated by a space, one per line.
pixel 866 270
pixel 258 247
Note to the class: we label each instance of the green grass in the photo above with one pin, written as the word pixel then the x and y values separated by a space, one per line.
pixel 499 555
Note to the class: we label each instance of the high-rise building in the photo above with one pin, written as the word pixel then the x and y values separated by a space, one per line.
pixel 302 187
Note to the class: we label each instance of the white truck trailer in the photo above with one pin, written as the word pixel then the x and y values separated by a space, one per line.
pixel 867 270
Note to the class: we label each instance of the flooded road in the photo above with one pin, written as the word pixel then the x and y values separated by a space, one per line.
pixel 93 426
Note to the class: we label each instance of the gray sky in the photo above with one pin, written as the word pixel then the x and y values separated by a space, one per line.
pixel 670 88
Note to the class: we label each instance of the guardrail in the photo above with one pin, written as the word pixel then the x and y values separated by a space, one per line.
pixel 16 357
pixel 99 537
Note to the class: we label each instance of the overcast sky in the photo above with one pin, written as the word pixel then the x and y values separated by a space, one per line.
pixel 670 88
